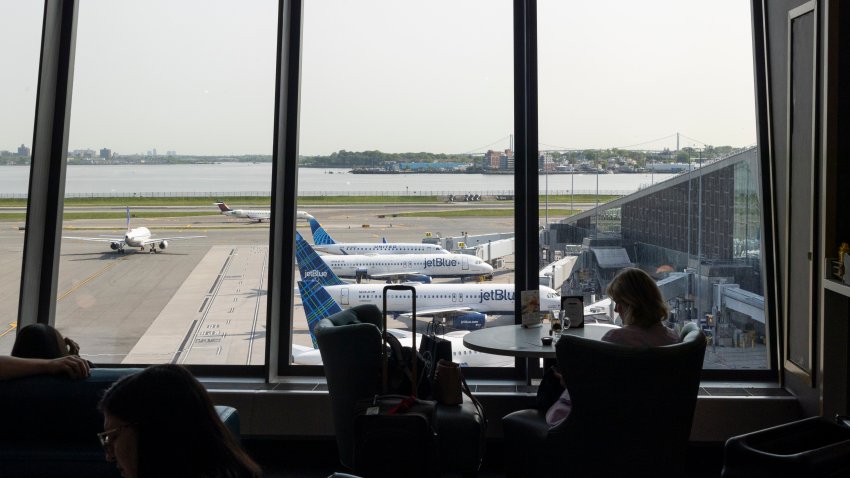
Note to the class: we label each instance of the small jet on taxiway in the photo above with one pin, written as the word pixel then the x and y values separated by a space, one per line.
pixel 135 237
pixel 258 215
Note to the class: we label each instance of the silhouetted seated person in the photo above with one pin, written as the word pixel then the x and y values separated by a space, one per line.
pixel 642 309
pixel 41 349
pixel 161 422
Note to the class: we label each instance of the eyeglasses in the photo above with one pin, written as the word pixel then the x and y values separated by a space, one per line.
pixel 108 437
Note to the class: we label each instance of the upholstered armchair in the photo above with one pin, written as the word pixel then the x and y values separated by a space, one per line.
pixel 632 409
pixel 350 344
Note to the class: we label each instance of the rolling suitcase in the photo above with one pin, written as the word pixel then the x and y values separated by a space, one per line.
pixel 394 435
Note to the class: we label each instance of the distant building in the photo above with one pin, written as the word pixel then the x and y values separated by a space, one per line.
pixel 545 163
pixel 497 160
pixel 506 160
pixel 82 153
pixel 171 153
pixel 23 151
pixel 106 153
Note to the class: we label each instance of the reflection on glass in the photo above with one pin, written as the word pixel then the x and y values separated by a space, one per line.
pixel 20 42
pixel 165 250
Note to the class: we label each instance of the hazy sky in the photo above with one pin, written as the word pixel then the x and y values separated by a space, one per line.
pixel 197 76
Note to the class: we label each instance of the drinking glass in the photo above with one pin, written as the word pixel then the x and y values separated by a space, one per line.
pixel 555 322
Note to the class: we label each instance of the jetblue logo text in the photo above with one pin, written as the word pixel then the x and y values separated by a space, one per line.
pixel 315 273
pixel 440 263
pixel 498 294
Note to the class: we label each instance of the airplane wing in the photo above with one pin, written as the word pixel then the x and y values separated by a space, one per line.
pixel 96 239
pixel 154 240
pixel 442 312
pixel 394 275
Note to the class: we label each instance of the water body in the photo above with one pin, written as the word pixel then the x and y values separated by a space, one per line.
pixel 255 179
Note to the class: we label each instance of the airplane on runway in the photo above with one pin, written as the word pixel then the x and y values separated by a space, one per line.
pixel 258 215
pixel 135 237
pixel 318 304
pixel 397 267
pixel 465 305
pixel 325 243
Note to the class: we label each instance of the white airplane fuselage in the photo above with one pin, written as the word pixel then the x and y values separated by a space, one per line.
pixel 483 298
pixel 432 265
pixel 357 248
pixel 137 237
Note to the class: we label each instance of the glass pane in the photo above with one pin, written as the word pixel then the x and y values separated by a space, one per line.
pixel 172 113
pixel 647 127
pixel 405 143
pixel 20 43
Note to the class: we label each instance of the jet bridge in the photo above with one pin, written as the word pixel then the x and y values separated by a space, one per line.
pixel 734 298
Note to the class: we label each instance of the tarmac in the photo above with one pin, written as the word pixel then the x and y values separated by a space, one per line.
pixel 203 301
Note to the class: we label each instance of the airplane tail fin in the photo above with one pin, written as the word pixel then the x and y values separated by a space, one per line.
pixel 128 218
pixel 311 265
pixel 223 207
pixel 320 236
pixel 318 304
pixel 384 240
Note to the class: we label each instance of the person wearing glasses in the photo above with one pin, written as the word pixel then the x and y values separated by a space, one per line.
pixel 642 308
pixel 161 422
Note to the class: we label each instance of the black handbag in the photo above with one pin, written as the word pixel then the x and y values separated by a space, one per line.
pixel 433 349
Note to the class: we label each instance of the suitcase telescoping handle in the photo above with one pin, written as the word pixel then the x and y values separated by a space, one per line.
pixel 412 291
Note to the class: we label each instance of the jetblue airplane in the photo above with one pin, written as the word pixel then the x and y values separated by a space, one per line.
pixel 135 237
pixel 466 305
pixel 258 215
pixel 413 267
pixel 318 304
pixel 325 243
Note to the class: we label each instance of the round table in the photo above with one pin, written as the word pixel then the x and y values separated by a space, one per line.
pixel 518 341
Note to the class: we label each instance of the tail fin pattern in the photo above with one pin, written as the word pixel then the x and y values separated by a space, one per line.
pixel 223 207
pixel 318 304
pixel 128 218
pixel 320 236
pixel 311 265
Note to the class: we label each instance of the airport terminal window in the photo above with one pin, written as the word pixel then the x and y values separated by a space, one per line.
pixel 173 109
pixel 406 122
pixel 20 40
pixel 405 135
pixel 647 159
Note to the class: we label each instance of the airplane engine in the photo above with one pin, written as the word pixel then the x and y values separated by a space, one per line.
pixel 469 321
pixel 114 246
pixel 420 278
pixel 163 244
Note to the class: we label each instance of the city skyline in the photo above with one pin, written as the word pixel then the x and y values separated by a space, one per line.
pixel 201 80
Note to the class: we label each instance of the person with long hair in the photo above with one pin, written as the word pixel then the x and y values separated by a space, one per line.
pixel 40 349
pixel 161 422
pixel 44 342
pixel 642 308
pixel 639 302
